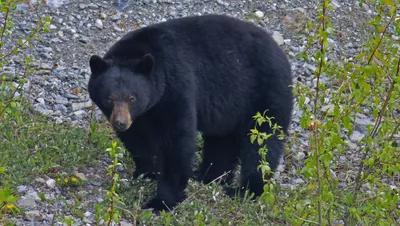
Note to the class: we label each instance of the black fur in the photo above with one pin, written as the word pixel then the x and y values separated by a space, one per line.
pixel 207 73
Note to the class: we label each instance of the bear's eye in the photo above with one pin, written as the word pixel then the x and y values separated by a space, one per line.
pixel 109 100
pixel 132 99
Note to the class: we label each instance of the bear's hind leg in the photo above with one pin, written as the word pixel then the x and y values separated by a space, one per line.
pixel 251 177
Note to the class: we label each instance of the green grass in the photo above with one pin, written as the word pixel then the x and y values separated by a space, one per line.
pixel 38 146
pixel 205 205
pixel 33 146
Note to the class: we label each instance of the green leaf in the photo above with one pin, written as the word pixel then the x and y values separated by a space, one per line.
pixel 368 69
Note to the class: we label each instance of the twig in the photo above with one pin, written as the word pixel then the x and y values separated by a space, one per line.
pixel 305 220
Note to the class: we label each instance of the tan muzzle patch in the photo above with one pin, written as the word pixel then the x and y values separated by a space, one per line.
pixel 121 117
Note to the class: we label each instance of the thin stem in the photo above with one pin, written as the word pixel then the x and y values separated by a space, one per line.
pixel 317 151
pixel 5 21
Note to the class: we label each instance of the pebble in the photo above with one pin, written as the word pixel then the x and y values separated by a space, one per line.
pixel 99 24
pixel 22 189
pixel 362 122
pixel 298 181
pixel 9 73
pixel 81 176
pixel 40 100
pixel 33 215
pixel 299 156
pixel 278 38
pixel 79 106
pixel 51 183
pixel 356 136
pixel 71 96
pixel 82 6
pixel 115 17
pixel 259 14
pixel 26 202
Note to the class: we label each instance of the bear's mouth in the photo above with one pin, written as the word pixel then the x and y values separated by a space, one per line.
pixel 120 117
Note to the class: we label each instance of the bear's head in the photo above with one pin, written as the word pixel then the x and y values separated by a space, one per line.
pixel 122 89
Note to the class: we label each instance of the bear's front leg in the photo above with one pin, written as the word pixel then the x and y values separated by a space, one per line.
pixel 143 149
pixel 176 167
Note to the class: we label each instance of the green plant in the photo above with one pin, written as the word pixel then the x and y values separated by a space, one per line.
pixel 7 203
pixel 371 83
pixel 10 104
pixel 112 213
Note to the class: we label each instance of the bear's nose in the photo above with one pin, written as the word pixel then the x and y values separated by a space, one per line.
pixel 120 125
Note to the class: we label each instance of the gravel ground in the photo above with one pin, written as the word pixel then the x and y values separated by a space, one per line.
pixel 81 28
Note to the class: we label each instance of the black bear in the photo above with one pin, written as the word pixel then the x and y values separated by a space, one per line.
pixel 160 84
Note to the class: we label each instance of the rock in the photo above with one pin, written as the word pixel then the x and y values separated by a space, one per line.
pixel 27 202
pixel 8 72
pixel 83 39
pixel 22 8
pixel 61 100
pixel 328 109
pixel 33 215
pixel 87 214
pixel 79 106
pixel 79 113
pixel 299 156
pixel 310 67
pixel 356 136
pixel 82 6
pixel 61 108
pixel 81 176
pixel 71 96
pixel 278 38
pixel 22 189
pixel 99 24
pixel 362 122
pixel 298 181
pixel 33 194
pixel 259 14
pixel 115 17
pixel 40 180
pixel 51 183
pixel 40 100
pixel 42 108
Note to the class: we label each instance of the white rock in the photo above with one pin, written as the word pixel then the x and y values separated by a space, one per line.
pixel 259 14
pixel 51 183
pixel 87 214
pixel 278 38
pixel 40 100
pixel 99 24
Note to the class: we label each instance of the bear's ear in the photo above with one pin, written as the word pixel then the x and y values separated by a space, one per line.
pixel 97 64
pixel 145 64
